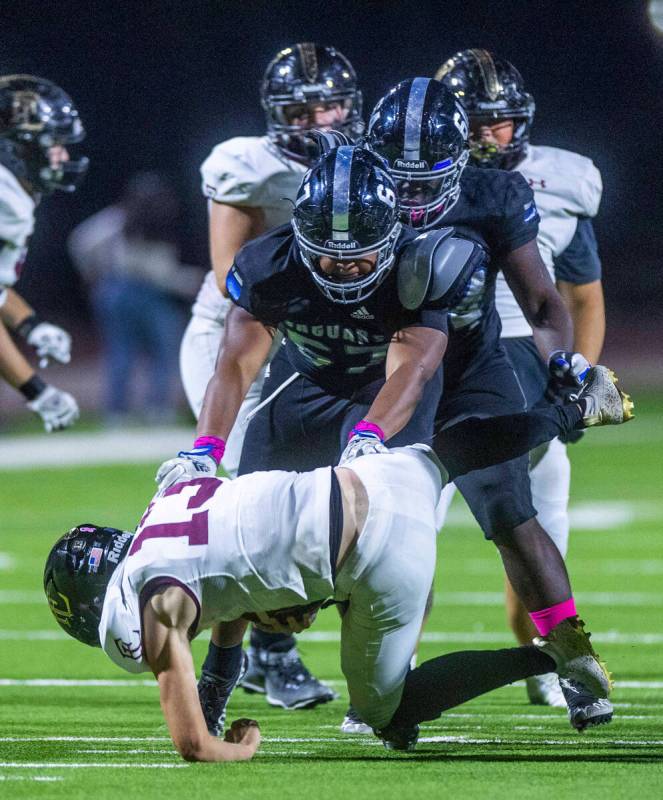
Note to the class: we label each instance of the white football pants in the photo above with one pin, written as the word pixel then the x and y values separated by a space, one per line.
pixel 550 481
pixel 386 578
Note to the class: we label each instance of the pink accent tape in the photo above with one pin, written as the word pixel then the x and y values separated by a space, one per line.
pixel 363 426
pixel 546 619
pixel 218 446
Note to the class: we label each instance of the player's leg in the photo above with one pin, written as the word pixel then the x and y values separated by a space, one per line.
pixel 386 580
pixel 550 473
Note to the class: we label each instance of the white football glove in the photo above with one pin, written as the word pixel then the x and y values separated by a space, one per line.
pixel 189 464
pixel 50 342
pixel 57 409
pixel 361 446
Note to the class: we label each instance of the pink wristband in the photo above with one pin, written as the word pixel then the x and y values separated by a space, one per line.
pixel 218 446
pixel 363 426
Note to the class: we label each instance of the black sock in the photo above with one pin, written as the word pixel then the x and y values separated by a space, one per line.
pixel 447 681
pixel 276 642
pixel 223 662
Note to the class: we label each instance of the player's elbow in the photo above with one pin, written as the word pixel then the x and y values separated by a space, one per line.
pixel 190 747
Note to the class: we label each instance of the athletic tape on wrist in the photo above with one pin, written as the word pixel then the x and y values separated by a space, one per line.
pixel 218 446
pixel 366 428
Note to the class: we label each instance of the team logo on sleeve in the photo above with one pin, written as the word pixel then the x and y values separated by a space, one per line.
pixel 234 283
pixel 530 212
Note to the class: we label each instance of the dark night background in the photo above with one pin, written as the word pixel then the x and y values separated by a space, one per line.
pixel 159 83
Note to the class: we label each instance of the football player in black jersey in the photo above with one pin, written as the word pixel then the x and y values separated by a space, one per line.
pixel 362 303
pixel 421 129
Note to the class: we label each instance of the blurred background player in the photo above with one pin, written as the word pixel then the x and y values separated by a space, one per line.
pixel 567 190
pixel 128 254
pixel 38 122
pixel 251 183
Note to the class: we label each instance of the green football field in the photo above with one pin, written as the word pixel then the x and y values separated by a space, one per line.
pixel 73 725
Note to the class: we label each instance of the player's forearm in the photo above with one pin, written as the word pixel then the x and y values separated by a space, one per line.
pixel 587 308
pixel 211 749
pixel 14 368
pixel 552 327
pixel 15 310
pixel 223 399
pixel 396 402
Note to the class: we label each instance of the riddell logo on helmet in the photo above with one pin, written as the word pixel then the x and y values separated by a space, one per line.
pixel 332 245
pixel 401 164
pixel 118 544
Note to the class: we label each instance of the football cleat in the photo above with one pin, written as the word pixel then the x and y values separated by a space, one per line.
pixel 605 403
pixel 395 737
pixel 214 695
pixel 544 690
pixel 571 650
pixel 585 710
pixel 353 723
pixel 288 683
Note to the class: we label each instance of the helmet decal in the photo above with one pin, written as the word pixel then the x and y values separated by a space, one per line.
pixel 341 194
pixel 413 118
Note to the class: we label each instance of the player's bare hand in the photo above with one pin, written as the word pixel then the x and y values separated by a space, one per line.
pixel 244 731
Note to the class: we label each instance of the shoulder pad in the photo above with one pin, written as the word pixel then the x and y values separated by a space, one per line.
pixel 433 266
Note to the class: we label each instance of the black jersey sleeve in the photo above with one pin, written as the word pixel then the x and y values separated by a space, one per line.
pixel 519 222
pixel 580 262
pixel 257 280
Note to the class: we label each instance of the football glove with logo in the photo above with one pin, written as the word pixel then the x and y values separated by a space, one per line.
pixel 365 439
pixel 57 409
pixel 188 465
pixel 568 369
pixel 50 341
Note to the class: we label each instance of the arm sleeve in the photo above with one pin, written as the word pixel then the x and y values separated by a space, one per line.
pixel 429 317
pixel 520 219
pixel 580 262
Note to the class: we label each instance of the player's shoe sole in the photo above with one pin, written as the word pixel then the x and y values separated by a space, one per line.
pixel 585 710
pixel 606 404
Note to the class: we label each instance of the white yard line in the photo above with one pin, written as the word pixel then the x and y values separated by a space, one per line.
pixel 88 765
pixel 431 637
pixel 140 684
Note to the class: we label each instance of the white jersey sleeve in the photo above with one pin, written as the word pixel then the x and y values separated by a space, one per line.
pixel 249 172
pixel 566 186
pixel 17 216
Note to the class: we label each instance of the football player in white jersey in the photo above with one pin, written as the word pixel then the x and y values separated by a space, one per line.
pixel 273 546
pixel 251 183
pixel 38 121
pixel 567 189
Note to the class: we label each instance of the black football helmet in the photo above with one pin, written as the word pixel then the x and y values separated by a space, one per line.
pixel 421 130
pixel 303 74
pixel 36 115
pixel 347 208
pixel 78 570
pixel 491 89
